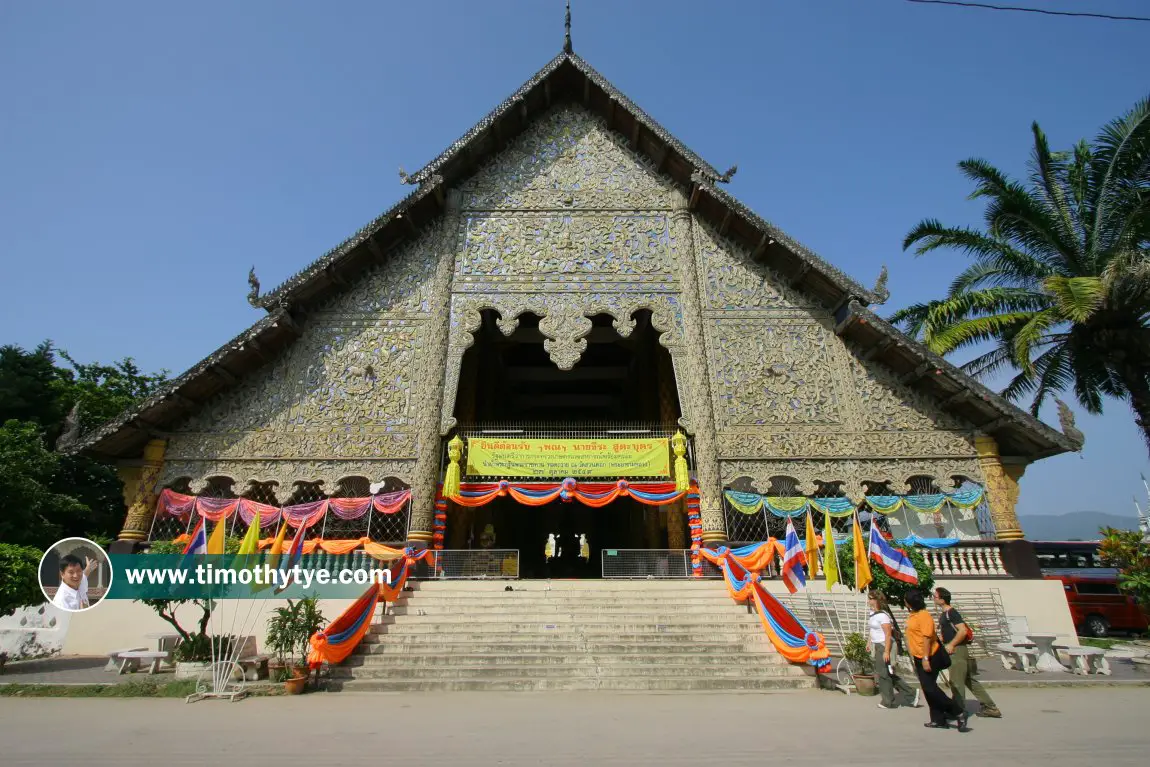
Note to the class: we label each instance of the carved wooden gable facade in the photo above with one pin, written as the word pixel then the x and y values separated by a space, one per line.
pixel 568 222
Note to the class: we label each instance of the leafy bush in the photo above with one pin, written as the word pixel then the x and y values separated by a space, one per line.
pixel 231 546
pixel 19 582
pixel 290 629
pixel 894 590
pixel 855 651
pixel 166 609
pixel 1125 550
pixel 198 648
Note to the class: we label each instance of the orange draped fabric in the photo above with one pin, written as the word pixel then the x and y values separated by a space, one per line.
pixel 332 546
pixel 343 635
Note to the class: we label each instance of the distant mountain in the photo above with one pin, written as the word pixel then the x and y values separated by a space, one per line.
pixel 1075 526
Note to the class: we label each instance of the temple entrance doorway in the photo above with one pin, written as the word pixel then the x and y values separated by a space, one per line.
pixel 621 388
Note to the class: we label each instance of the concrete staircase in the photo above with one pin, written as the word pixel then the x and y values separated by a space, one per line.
pixel 567 635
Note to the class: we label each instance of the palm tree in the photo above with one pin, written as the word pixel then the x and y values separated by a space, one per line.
pixel 1060 280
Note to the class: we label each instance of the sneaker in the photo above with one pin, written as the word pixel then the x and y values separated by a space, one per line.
pixel 917 698
pixel 990 712
pixel 961 723
pixel 888 708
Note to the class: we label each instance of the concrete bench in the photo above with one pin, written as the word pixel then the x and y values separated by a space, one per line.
pixel 1088 660
pixel 1018 657
pixel 114 657
pixel 253 668
pixel 130 661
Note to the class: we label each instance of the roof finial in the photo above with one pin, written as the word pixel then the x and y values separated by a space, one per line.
pixel 567 29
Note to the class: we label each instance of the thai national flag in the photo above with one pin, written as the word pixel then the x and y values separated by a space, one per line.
pixel 793 560
pixel 197 545
pixel 294 552
pixel 896 564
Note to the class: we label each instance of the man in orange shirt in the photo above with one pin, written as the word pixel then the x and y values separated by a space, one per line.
pixel 924 646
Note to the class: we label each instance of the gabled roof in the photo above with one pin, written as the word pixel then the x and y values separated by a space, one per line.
pixel 569 78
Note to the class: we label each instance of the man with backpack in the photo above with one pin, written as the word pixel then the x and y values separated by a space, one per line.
pixel 956 638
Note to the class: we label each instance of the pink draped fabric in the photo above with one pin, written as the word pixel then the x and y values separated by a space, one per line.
pixel 349 508
pixel 175 504
pixel 269 515
pixel 307 514
pixel 215 509
pixel 389 503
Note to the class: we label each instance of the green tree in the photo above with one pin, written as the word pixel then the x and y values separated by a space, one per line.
pixel 1060 280
pixel 1127 551
pixel 46 495
pixel 893 589
pixel 105 391
pixel 32 512
pixel 19 582
pixel 32 387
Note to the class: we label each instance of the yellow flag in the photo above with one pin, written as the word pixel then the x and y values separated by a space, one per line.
pixel 216 539
pixel 277 546
pixel 862 561
pixel 251 542
pixel 812 548
pixel 830 555
pixel 273 553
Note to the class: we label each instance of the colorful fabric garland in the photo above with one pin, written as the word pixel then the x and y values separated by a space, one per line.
pixel 793 506
pixel 695 526
pixel 439 524
pixel 307 514
pixel 741 572
pixel 593 494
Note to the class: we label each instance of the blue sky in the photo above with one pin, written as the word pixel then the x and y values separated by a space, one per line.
pixel 150 153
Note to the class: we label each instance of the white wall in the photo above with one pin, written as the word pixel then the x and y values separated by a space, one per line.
pixel 115 624
pixel 34 631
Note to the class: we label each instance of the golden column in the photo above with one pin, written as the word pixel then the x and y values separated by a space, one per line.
pixel 1001 488
pixel 140 491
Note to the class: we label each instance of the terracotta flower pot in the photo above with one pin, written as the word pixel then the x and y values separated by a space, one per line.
pixel 295 685
pixel 865 684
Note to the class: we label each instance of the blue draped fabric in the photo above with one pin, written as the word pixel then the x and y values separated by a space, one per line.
pixel 350 631
pixel 925 503
pixel 745 499
pixel 836 506
pixel 643 494
pixel 930 543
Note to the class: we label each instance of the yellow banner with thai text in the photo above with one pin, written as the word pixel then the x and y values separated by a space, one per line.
pixel 561 458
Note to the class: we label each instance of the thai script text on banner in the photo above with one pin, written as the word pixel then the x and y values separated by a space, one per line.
pixel 551 458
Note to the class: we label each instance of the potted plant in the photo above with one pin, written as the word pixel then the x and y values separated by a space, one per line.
pixel 862 665
pixel 290 630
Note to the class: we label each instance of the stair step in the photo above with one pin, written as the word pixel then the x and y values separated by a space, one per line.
pixel 567 635
pixel 529 684
pixel 558 658
pixel 567 671
pixel 440 647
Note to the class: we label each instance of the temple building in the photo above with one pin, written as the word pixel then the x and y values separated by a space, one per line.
pixel 568 276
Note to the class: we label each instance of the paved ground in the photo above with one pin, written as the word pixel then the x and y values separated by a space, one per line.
pixel 90 670
pixel 1056 726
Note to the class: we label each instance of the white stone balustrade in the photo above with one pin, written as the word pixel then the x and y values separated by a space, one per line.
pixel 965 562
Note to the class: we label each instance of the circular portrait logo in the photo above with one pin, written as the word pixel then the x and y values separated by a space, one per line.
pixel 75 574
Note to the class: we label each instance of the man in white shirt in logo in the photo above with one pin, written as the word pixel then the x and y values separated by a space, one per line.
pixel 73 591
